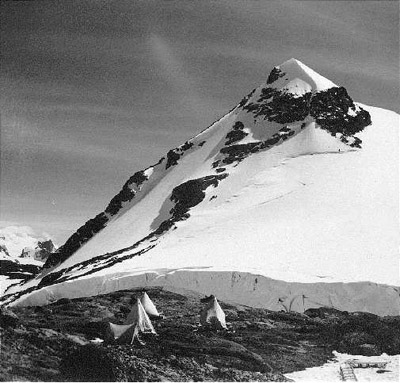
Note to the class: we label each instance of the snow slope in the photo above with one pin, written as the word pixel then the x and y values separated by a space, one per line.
pixel 288 201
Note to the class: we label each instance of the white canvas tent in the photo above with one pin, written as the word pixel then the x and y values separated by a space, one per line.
pixel 137 321
pixel 212 314
pixel 149 306
pixel 123 333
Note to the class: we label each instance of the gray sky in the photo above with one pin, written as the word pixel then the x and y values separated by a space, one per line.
pixel 93 91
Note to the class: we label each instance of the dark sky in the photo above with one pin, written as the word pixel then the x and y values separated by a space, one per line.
pixel 92 91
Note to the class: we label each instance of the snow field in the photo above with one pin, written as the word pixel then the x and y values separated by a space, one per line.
pixel 329 372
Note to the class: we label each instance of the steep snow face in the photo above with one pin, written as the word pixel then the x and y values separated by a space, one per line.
pixel 285 197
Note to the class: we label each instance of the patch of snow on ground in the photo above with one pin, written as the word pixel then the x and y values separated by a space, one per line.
pixel 329 372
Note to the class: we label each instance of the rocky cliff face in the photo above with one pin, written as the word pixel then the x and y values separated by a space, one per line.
pixel 44 249
pixel 16 272
pixel 41 252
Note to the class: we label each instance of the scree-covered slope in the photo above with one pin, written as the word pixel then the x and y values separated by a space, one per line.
pixel 288 200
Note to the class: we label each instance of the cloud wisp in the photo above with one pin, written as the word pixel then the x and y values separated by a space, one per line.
pixel 173 71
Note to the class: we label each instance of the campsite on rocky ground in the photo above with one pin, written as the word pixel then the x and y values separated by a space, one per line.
pixel 53 343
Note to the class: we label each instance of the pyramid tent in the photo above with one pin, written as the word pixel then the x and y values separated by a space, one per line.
pixel 212 314
pixel 148 305
pixel 136 322
pixel 123 333
pixel 139 317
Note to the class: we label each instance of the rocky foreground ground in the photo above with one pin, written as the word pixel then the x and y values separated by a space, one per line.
pixel 52 343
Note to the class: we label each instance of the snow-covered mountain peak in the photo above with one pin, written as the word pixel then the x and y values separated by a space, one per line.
pixel 295 77
pixel 280 187
pixel 268 120
pixel 24 242
pixel 22 254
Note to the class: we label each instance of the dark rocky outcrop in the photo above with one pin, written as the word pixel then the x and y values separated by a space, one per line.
pixel 238 152
pixel 47 245
pixel 27 252
pixel 43 250
pixel 280 107
pixel 127 193
pixel 81 236
pixel 4 250
pixel 14 270
pixel 245 99
pixel 325 313
pixel 172 158
pixel 330 110
pixel 236 134
pixel 191 193
pixel 174 155
pixel 275 74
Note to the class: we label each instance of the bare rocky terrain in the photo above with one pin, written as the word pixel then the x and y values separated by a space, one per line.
pixel 52 343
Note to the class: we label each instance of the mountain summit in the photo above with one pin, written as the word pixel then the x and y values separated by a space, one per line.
pixel 275 205
pixel 296 72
